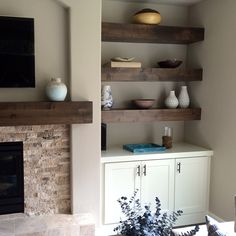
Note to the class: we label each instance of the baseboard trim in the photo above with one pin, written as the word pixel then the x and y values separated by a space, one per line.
pixel 215 217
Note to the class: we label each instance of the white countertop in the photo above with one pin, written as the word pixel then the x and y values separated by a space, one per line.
pixel 179 150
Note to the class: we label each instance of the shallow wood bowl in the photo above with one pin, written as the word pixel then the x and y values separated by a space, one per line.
pixel 144 103
pixel 147 16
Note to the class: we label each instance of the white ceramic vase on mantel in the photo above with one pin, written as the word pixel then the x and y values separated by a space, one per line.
pixel 171 101
pixel 56 90
pixel 183 98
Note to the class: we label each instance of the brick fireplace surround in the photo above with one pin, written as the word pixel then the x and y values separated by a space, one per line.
pixel 46 184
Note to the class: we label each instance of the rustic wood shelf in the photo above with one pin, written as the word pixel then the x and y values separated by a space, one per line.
pixel 150 115
pixel 141 33
pixel 150 74
pixel 42 113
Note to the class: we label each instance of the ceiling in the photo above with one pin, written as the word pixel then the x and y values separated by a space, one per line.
pixel 174 2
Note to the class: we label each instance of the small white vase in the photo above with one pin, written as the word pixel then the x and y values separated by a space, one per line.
pixel 106 97
pixel 184 97
pixel 56 90
pixel 171 101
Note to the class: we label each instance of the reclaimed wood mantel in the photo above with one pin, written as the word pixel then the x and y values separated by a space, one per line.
pixel 44 113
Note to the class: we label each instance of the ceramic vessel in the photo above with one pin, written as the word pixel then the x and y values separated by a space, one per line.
pixel 144 103
pixel 147 16
pixel 106 97
pixel 170 63
pixel 184 97
pixel 56 90
pixel 171 101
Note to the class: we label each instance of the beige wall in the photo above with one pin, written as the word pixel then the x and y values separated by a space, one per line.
pixel 216 95
pixel 122 11
pixel 85 54
pixel 84 50
pixel 51 45
pixel 149 55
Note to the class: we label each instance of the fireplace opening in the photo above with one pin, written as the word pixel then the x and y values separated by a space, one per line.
pixel 11 178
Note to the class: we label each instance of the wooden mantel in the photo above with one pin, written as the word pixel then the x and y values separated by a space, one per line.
pixel 44 113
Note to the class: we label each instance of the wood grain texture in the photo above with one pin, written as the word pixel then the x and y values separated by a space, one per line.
pixel 42 113
pixel 150 74
pixel 141 33
pixel 150 115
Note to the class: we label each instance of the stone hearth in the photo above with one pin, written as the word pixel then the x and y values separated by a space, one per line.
pixel 50 225
pixel 46 166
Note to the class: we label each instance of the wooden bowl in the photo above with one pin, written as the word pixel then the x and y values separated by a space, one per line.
pixel 144 103
pixel 170 63
pixel 147 16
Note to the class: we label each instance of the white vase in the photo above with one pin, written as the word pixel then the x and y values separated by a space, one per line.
pixel 171 101
pixel 184 97
pixel 56 90
pixel 106 97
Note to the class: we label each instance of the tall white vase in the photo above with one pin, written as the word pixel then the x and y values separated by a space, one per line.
pixel 171 101
pixel 184 97
pixel 106 97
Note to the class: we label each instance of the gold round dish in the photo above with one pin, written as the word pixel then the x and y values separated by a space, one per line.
pixel 147 16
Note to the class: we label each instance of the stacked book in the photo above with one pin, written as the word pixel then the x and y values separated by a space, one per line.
pixel 124 63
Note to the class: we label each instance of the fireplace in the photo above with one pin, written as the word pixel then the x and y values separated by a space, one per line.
pixel 11 178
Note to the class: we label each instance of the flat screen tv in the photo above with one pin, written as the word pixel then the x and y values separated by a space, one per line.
pixel 17 60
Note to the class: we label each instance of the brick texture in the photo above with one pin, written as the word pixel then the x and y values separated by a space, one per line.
pixel 46 166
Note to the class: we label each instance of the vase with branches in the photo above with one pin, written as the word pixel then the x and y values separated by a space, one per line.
pixel 141 221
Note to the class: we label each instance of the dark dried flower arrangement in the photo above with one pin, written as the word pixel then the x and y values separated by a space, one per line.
pixel 143 222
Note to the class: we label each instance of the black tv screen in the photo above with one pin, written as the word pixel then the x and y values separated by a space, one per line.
pixel 17 59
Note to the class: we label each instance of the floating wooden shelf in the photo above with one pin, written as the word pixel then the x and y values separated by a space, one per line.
pixel 150 74
pixel 141 33
pixel 150 115
pixel 42 113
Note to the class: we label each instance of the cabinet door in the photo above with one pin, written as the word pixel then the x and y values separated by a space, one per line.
pixel 191 186
pixel 157 180
pixel 121 179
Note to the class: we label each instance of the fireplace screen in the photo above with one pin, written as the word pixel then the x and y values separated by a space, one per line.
pixel 11 178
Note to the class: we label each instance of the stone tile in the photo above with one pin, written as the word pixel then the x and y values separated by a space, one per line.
pixel 56 232
pixel 59 220
pixel 46 165
pixel 6 227
pixel 7 234
pixel 87 230
pixel 73 230
pixel 53 232
pixel 4 217
pixel 32 234
pixel 17 215
pixel 30 225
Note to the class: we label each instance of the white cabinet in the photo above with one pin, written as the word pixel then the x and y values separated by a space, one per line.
pixel 179 179
pixel 121 179
pixel 157 180
pixel 152 178
pixel 191 188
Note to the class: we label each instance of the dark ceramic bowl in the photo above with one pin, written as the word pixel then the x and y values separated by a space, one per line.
pixel 144 103
pixel 169 63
